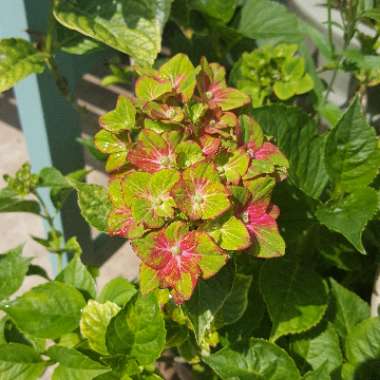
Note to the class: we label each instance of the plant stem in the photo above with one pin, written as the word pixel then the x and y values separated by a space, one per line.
pixel 329 26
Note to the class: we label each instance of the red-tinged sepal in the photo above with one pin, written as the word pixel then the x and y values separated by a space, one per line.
pixel 210 145
pixel 267 159
pixel 164 112
pixel 152 152
pixel 200 194
pixel 233 166
pixel 181 73
pixel 149 197
pixel 148 88
pixel 121 118
pixel 260 220
pixel 176 258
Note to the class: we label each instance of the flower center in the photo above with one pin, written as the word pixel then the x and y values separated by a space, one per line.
pixel 175 250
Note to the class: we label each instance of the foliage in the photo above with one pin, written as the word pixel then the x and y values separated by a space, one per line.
pixel 229 287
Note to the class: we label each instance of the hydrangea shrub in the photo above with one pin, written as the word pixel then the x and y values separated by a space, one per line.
pixel 271 71
pixel 191 175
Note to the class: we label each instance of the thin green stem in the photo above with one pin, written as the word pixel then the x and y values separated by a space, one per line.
pixel 330 27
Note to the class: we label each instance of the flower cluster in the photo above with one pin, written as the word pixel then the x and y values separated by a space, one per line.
pixel 269 71
pixel 191 176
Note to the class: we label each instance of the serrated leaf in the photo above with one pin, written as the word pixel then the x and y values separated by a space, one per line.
pixel 94 204
pixel 319 347
pixel 236 166
pixel 347 309
pixel 362 348
pixel 350 215
pixel 74 365
pixel 77 275
pixel 47 311
pixel 296 297
pixel 130 26
pixel 121 118
pixel 208 298
pixel 236 303
pixel 13 268
pixel 94 322
pixel 138 330
pixel 200 194
pixel 18 59
pixel 297 136
pixel 21 362
pixel 256 360
pixel 222 10
pixel 263 19
pixel 118 290
pixel 352 156
pixel 322 373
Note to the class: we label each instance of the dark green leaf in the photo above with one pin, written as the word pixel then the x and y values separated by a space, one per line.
pixel 220 9
pixel 47 311
pixel 131 26
pixel 352 156
pixel 12 202
pixel 263 19
pixel 318 347
pixel 321 373
pixel 13 268
pixel 118 290
pixel 296 296
pixel 36 270
pixel 236 302
pixel 297 136
pixel 77 275
pixel 18 59
pixel 20 362
pixel 138 330
pixel 350 215
pixel 73 365
pixel 259 360
pixel 207 299
pixel 347 309
pixel 363 349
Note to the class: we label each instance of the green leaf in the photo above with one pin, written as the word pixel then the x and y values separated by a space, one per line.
pixel 208 298
pixel 77 275
pixel 297 136
pixel 138 330
pixel 232 235
pixel 20 362
pixel 94 322
pixel 362 348
pixel 121 118
pixel 47 311
pixel 319 347
pixel 296 296
pixel 73 365
pixel 52 177
pixel 350 215
pixel 222 10
pixel 236 302
pixel 322 373
pixel 188 153
pixel 352 156
pixel 263 19
pixel 13 268
pixel 12 202
pixel 18 59
pixel 94 204
pixel 118 290
pixel 148 89
pixel 373 14
pixel 130 26
pixel 284 90
pixel 347 309
pixel 258 360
